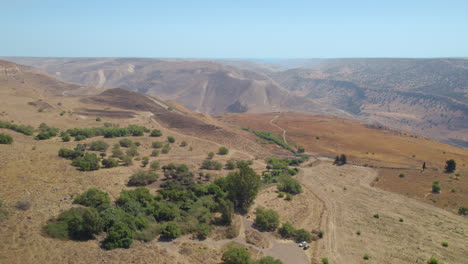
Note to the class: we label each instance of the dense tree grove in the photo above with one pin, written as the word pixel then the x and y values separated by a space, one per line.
pixel 180 207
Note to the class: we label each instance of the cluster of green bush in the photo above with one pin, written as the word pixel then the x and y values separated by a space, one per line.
pixel 46 132
pixel 180 207
pixel 88 161
pixel 5 139
pixel 278 168
pixel 240 255
pixel 211 165
pixel 82 223
pixel 107 132
pixel 288 231
pixel 26 130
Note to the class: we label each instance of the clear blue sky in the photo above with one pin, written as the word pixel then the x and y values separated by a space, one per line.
pixel 234 29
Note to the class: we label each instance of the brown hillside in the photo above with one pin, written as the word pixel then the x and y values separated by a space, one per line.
pixel 392 151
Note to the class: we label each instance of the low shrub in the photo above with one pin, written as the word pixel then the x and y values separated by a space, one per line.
pixel 5 139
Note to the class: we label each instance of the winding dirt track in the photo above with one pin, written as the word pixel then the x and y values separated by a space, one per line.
pixel 386 239
pixel 280 128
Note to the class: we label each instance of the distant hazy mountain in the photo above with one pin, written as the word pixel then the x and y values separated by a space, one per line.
pixel 426 96
pixel 199 85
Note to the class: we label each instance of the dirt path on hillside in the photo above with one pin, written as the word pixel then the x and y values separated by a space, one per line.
pixel 350 204
pixel 275 125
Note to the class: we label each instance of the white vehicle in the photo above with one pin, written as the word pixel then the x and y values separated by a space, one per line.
pixel 301 244
pixel 306 246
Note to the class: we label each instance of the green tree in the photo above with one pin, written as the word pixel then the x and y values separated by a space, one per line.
pixel 242 187
pixel 170 139
pixel 300 150
pixel 432 260
pixel 5 139
pixel 155 153
pixel 267 220
pixel 236 256
pixel 223 151
pixel 424 166
pixel 183 144
pixel 93 197
pixel 211 155
pixel 118 236
pixel 450 166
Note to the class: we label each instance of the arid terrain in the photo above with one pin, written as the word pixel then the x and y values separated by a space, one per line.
pixel 338 200
pixel 423 96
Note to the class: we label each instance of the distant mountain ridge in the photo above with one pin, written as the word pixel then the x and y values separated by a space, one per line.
pixel 425 96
